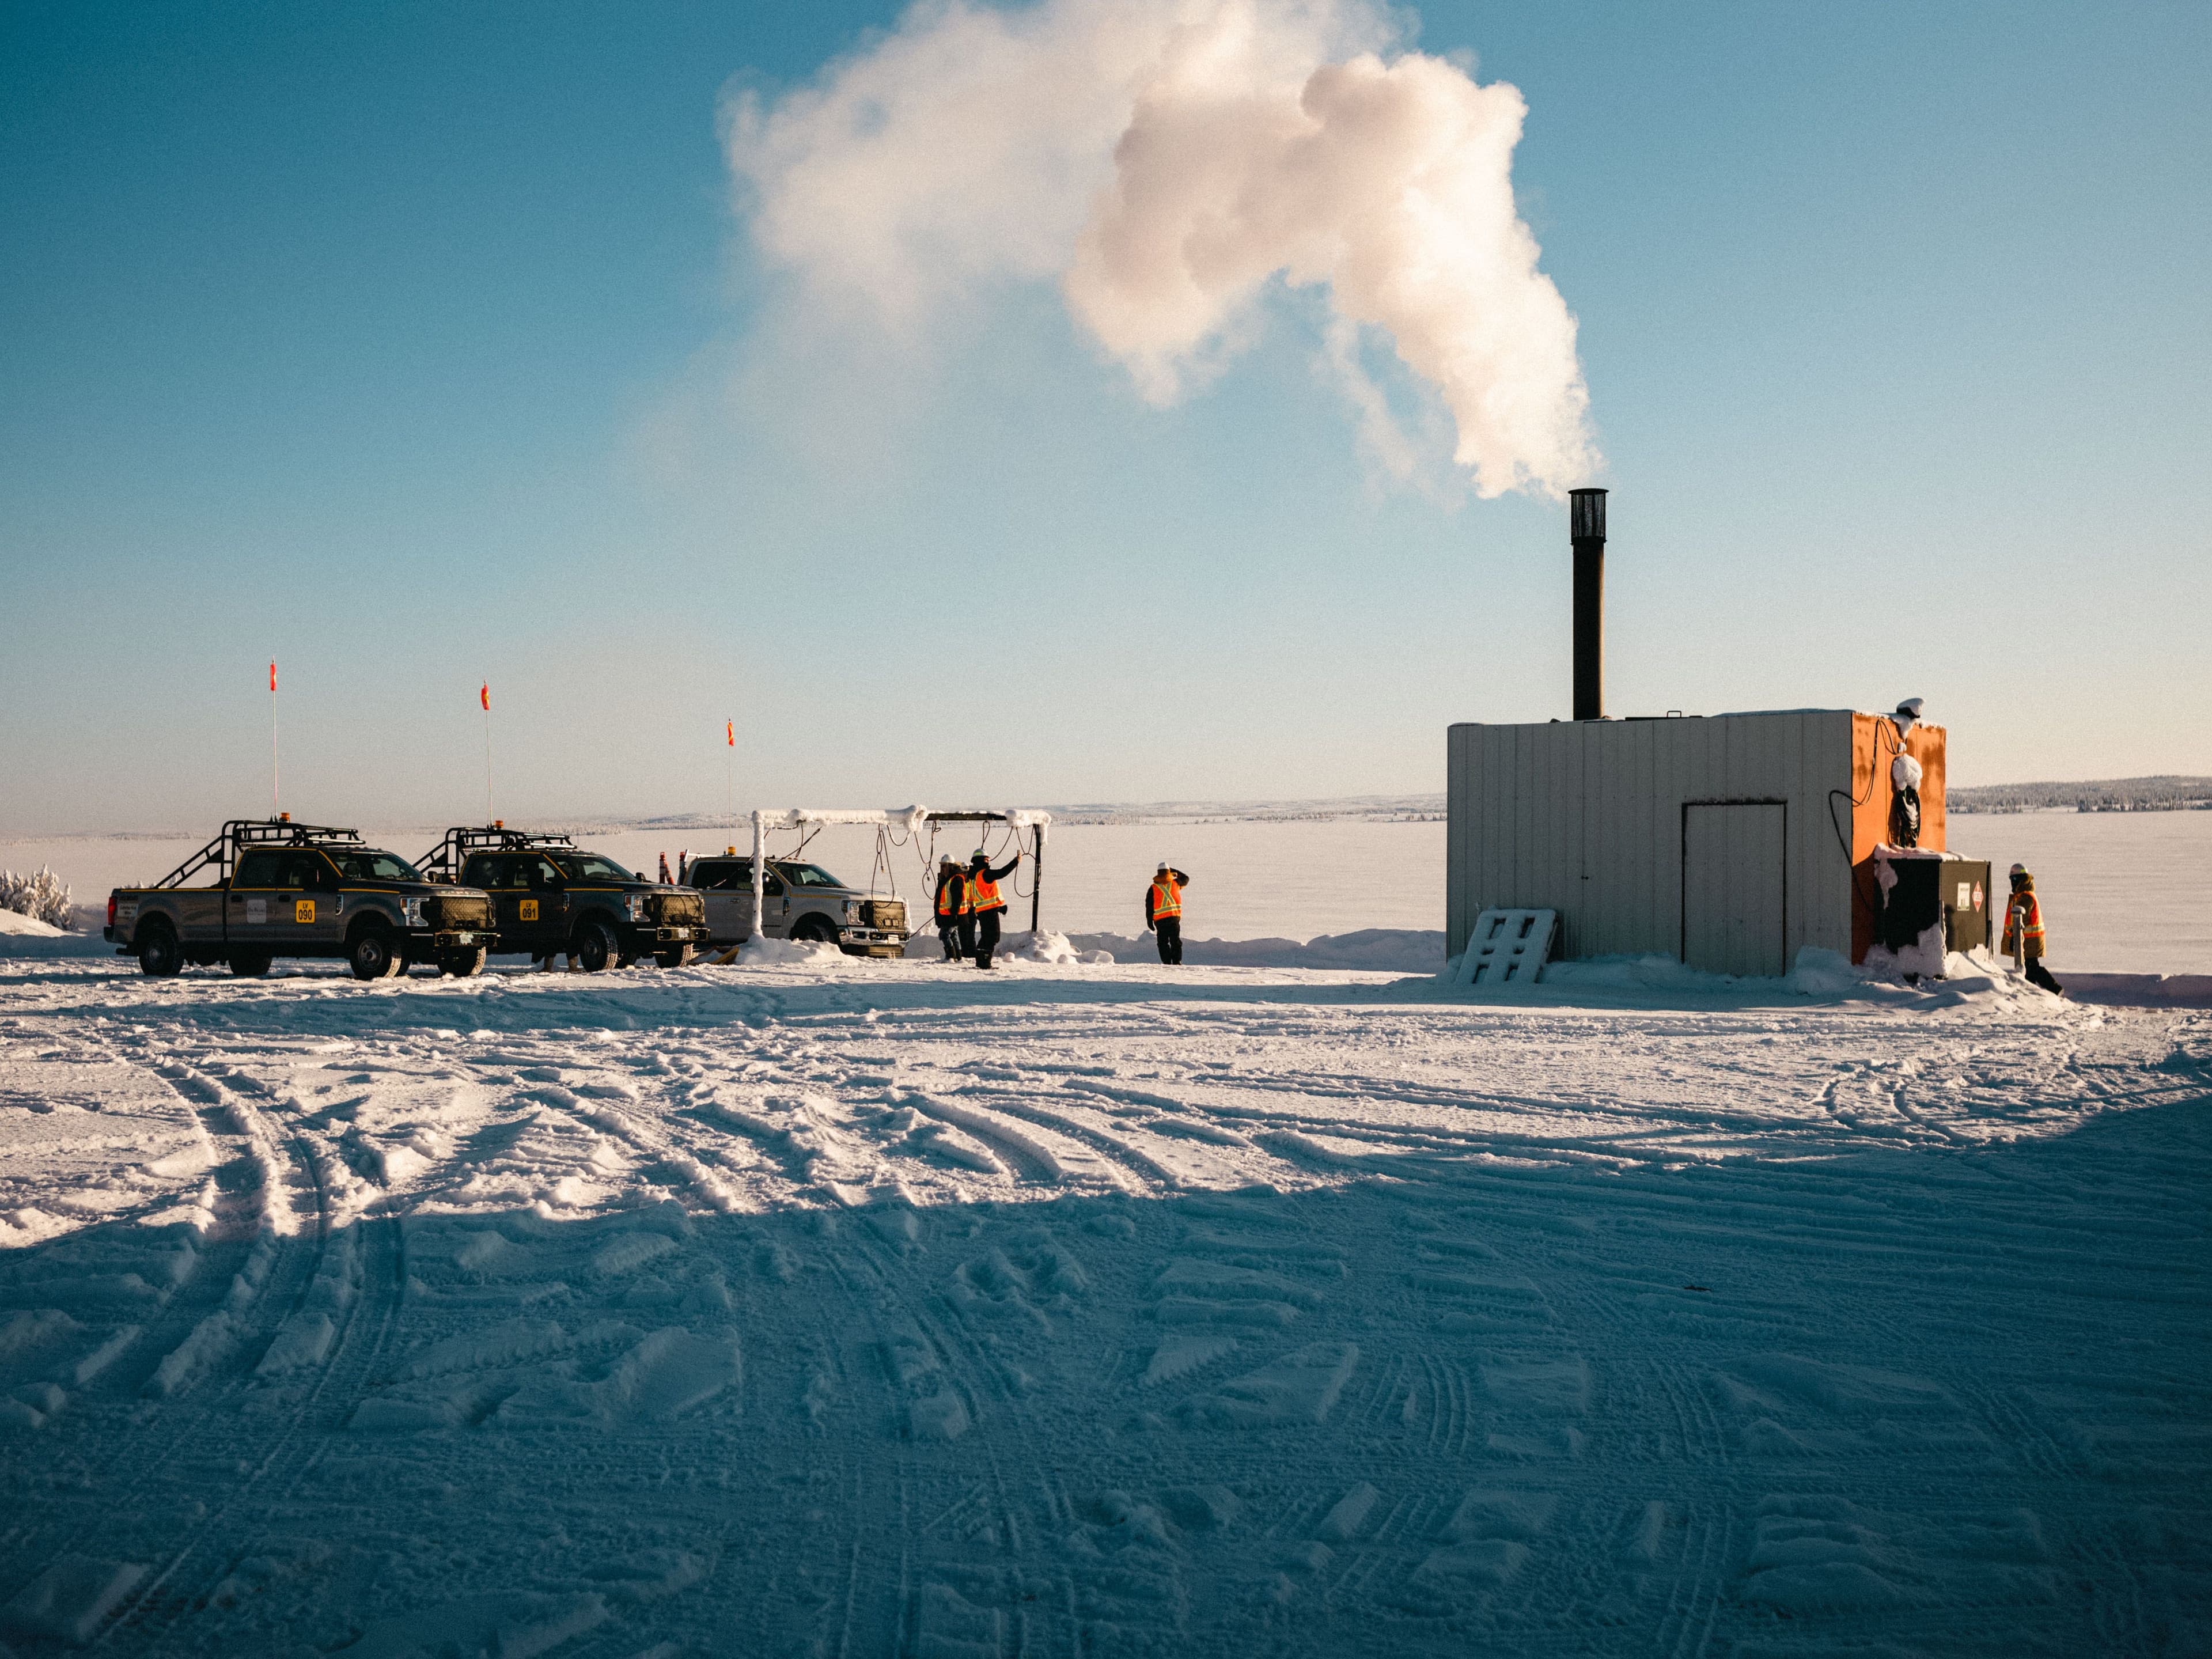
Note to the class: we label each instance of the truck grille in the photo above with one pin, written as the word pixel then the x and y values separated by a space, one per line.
pixel 455 911
pixel 679 910
pixel 885 915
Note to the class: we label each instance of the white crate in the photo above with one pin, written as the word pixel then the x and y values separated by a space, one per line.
pixel 1508 947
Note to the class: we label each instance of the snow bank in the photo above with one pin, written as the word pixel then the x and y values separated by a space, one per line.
pixel 1374 949
pixel 1824 975
pixel 787 953
pixel 27 936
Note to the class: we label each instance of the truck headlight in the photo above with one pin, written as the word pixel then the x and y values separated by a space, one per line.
pixel 634 906
pixel 852 909
pixel 412 912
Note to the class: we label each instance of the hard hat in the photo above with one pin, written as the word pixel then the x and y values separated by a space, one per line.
pixel 2019 869
pixel 1164 864
pixel 944 858
pixel 981 856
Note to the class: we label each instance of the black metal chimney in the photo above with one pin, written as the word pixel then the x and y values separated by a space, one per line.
pixel 1586 524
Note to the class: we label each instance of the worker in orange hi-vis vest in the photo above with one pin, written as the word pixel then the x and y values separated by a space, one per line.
pixel 2024 927
pixel 1163 911
pixel 987 903
pixel 955 922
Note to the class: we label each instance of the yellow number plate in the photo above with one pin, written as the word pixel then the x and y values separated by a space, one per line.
pixel 303 909
pixel 530 910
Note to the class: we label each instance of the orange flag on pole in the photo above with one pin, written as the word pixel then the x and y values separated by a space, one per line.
pixel 484 697
pixel 272 676
pixel 733 734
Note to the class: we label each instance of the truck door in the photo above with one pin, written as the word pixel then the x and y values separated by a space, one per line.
pixel 255 912
pixel 318 907
pixel 727 887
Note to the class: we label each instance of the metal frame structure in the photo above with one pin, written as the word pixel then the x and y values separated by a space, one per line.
pixel 443 862
pixel 913 818
pixel 240 834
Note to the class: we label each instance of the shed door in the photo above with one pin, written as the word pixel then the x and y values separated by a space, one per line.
pixel 1732 888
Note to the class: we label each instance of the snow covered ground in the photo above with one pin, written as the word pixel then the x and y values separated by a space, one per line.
pixel 852 1308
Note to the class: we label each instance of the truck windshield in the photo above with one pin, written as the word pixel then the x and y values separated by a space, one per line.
pixel 591 867
pixel 374 867
pixel 808 875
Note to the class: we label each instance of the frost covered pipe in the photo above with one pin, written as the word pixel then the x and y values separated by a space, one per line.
pixel 1036 870
pixel 760 873
pixel 1586 527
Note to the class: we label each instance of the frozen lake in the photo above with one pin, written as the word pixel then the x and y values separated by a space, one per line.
pixel 2124 892
pixel 888 1307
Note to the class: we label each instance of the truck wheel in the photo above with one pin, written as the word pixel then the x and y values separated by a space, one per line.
pixel 679 957
pixel 815 930
pixel 374 954
pixel 464 964
pixel 250 965
pixel 159 956
pixel 595 950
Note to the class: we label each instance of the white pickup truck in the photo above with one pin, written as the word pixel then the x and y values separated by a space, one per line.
pixel 800 901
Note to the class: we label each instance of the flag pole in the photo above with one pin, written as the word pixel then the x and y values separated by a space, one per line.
pixel 730 803
pixel 484 697
pixel 275 774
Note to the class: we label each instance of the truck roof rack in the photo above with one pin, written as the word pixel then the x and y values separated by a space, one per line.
pixel 239 834
pixel 443 862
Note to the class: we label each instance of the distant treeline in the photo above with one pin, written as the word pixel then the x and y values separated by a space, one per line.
pixel 2160 794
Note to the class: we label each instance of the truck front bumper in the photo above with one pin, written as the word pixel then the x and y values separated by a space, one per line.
pixel 457 939
pixel 644 936
pixel 871 942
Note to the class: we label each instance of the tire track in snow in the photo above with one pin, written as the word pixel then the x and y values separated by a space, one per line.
pixel 144 1457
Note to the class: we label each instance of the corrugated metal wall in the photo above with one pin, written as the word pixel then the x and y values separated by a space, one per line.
pixel 1585 818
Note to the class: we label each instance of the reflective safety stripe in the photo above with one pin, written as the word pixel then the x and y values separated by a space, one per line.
pixel 1167 897
pixel 953 897
pixel 2027 914
pixel 984 894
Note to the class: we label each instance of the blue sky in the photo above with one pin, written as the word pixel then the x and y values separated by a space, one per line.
pixel 419 345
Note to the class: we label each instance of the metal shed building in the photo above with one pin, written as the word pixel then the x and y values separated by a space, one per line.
pixel 1721 841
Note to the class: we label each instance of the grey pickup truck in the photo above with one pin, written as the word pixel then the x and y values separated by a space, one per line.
pixel 280 888
pixel 800 901
pixel 555 898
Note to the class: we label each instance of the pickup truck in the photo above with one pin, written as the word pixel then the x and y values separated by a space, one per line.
pixel 281 889
pixel 800 900
pixel 552 897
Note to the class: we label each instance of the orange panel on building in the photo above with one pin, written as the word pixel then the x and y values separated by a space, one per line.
pixel 1873 799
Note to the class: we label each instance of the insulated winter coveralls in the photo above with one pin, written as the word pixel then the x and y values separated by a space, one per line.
pixel 2025 911
pixel 1163 913
pixel 954 923
pixel 989 908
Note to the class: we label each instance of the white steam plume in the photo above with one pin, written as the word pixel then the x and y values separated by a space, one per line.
pixel 1165 159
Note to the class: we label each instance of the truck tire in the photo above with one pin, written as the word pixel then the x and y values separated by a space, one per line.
pixel 160 957
pixel 815 930
pixel 679 957
pixel 595 948
pixel 373 953
pixel 250 965
pixel 464 964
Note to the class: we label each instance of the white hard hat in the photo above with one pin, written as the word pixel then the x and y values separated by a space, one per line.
pixel 1164 864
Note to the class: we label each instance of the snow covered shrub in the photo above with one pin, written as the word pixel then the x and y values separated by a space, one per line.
pixel 43 898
